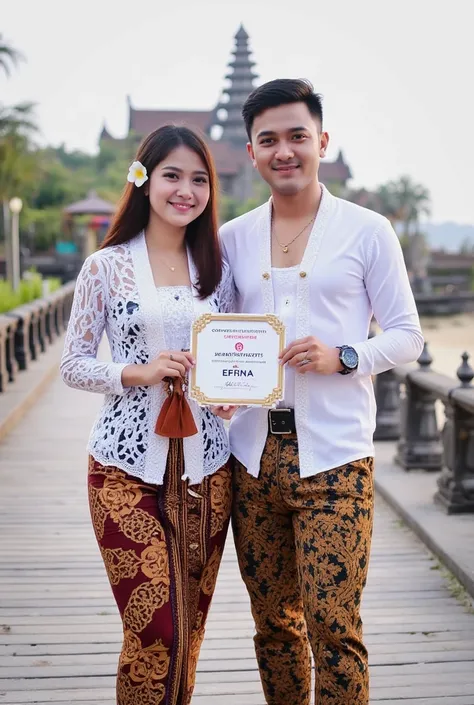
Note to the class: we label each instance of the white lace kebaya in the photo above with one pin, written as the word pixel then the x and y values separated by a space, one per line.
pixel 115 292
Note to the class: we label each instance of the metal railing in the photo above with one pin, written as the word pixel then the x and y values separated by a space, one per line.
pixel 444 304
pixel 27 331
pixel 406 412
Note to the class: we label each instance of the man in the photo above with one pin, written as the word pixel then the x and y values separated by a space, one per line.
pixel 303 502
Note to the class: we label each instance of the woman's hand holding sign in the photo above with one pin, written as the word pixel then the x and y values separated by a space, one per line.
pixel 225 412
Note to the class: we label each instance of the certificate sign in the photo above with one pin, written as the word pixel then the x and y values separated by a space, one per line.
pixel 237 359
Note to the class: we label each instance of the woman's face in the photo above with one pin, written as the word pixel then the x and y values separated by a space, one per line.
pixel 179 187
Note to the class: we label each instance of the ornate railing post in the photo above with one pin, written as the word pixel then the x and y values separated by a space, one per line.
pixel 387 396
pixel 420 445
pixel 49 320
pixel 6 325
pixel 58 313
pixel 68 290
pixel 22 334
pixel 33 337
pixel 11 361
pixel 456 482
pixel 41 313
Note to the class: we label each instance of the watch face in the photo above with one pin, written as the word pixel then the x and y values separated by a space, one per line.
pixel 350 358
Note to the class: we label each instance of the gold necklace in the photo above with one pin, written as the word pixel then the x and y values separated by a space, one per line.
pixel 285 247
pixel 172 269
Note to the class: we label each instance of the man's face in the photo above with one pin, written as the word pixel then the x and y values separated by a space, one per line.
pixel 286 148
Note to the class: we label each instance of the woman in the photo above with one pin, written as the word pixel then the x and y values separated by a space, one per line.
pixel 160 505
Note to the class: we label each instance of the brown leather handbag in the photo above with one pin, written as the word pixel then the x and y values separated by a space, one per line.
pixel 175 419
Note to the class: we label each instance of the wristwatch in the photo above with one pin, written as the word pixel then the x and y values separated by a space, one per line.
pixel 348 358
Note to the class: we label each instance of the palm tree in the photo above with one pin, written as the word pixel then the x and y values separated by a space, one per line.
pixel 388 201
pixel 17 160
pixel 412 200
pixel 8 56
pixel 18 119
pixel 404 202
pixel 17 126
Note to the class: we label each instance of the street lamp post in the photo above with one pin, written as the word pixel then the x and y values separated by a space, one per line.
pixel 16 204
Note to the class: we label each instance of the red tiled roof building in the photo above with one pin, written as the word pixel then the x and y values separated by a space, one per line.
pixel 236 174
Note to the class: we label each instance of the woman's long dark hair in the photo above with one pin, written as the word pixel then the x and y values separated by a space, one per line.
pixel 134 208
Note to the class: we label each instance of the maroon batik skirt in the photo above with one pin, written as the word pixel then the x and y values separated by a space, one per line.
pixel 161 546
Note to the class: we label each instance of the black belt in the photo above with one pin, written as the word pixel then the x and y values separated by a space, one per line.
pixel 281 422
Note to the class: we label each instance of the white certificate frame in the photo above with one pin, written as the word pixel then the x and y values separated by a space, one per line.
pixel 206 394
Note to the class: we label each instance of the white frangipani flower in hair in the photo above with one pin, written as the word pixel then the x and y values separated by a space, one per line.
pixel 137 174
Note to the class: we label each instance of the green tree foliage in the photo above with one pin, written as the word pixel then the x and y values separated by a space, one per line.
pixel 30 288
pixel 61 177
pixel 408 201
pixel 18 169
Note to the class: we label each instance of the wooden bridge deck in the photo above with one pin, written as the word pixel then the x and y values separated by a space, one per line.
pixel 59 630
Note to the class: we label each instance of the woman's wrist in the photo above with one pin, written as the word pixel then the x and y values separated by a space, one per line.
pixel 135 376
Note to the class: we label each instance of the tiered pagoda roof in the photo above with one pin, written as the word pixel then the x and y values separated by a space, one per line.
pixel 229 150
pixel 241 78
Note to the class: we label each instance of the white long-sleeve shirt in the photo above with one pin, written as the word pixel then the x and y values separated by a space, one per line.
pixel 352 268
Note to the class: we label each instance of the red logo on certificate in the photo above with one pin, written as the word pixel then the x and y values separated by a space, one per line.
pixel 239 347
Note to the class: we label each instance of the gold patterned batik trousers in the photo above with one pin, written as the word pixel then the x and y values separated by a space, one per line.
pixel 303 547
pixel 162 547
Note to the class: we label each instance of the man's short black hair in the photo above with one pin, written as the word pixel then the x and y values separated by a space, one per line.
pixel 281 91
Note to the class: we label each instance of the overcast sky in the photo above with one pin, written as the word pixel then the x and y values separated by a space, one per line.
pixel 397 77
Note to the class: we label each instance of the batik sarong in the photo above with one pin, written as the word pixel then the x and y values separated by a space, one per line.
pixel 161 546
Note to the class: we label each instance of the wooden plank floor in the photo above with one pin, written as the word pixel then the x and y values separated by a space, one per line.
pixel 59 630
